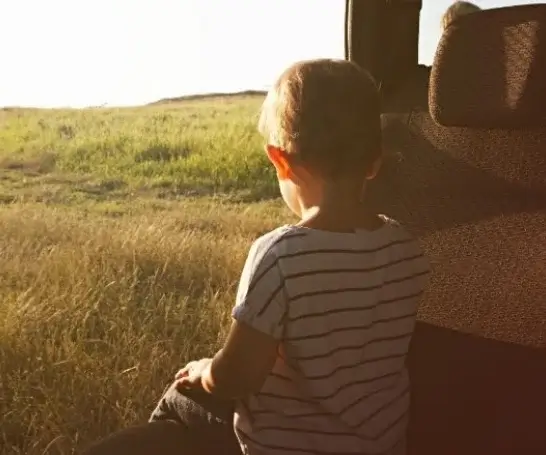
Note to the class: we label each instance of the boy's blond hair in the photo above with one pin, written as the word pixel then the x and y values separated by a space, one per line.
pixel 325 113
pixel 457 10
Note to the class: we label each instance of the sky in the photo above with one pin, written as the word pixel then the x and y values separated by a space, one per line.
pixel 78 53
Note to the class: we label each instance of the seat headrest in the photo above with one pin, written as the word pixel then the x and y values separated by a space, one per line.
pixel 489 70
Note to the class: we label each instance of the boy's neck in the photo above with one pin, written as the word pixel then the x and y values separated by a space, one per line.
pixel 339 209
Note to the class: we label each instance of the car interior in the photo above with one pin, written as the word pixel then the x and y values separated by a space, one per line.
pixel 465 170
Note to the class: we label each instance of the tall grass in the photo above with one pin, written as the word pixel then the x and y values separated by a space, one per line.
pixel 198 147
pixel 104 294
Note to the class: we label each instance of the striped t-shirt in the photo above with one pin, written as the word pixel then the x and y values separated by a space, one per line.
pixel 343 306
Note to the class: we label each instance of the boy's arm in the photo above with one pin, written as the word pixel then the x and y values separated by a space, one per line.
pixel 242 365
pixel 248 356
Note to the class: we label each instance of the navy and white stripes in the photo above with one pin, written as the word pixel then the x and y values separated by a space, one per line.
pixel 343 306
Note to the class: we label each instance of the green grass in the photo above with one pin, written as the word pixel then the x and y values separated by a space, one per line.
pixel 194 148
pixel 123 235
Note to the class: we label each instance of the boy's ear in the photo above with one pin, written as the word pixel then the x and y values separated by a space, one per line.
pixel 278 157
pixel 374 168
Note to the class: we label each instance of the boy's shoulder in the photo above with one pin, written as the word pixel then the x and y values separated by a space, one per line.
pixel 289 238
pixel 266 250
pixel 274 241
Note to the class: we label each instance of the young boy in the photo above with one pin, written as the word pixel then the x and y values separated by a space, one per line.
pixel 325 310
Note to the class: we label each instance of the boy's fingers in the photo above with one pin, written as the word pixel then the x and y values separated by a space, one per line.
pixel 182 373
pixel 187 383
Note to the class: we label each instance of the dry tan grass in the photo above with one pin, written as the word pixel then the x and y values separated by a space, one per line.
pixel 98 313
pixel 111 276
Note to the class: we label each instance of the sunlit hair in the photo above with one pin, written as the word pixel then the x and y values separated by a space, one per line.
pixel 325 113
pixel 457 10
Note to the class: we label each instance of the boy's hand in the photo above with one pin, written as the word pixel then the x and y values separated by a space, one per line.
pixel 190 376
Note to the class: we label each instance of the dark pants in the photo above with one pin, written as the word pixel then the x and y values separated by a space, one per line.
pixel 188 423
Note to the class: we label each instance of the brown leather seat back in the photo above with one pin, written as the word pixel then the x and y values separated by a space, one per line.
pixel 469 177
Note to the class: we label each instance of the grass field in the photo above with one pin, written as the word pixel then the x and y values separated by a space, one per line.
pixel 123 235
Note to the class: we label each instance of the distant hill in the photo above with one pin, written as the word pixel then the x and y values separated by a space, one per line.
pixel 203 96
pixel 209 95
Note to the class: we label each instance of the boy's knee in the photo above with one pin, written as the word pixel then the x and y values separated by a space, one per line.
pixel 170 407
pixel 190 408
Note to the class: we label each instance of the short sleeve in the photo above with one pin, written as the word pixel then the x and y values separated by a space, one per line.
pixel 261 299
